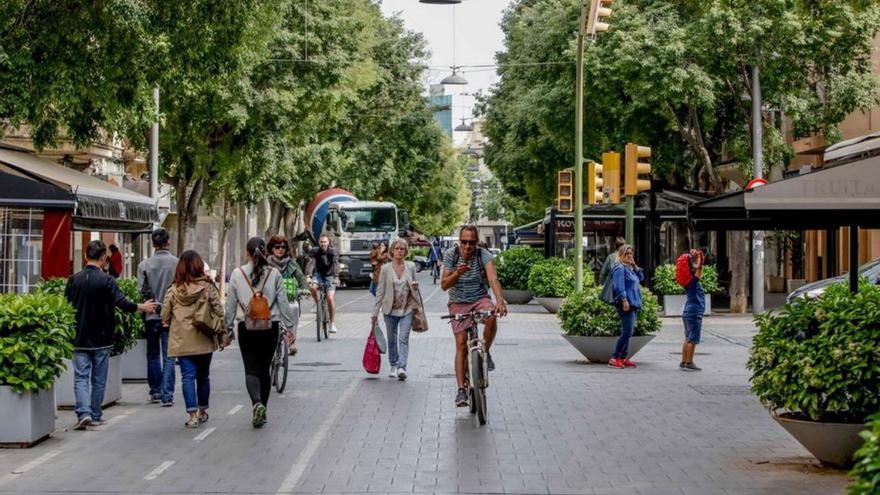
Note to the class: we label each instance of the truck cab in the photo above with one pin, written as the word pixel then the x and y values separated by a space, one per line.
pixel 354 226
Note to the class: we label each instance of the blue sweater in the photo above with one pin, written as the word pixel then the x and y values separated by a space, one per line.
pixel 626 285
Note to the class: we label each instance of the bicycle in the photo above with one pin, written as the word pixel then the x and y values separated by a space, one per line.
pixel 477 369
pixel 322 317
pixel 435 271
pixel 281 359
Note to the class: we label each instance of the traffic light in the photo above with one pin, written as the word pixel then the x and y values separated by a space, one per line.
pixel 635 168
pixel 595 183
pixel 611 166
pixel 599 10
pixel 565 191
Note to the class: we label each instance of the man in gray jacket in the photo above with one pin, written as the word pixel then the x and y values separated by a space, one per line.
pixel 154 276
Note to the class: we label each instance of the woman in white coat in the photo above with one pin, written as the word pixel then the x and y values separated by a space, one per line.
pixel 397 281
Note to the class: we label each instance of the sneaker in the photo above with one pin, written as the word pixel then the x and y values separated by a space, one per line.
pixel 681 366
pixel 629 364
pixel 97 422
pixel 82 422
pixel 168 404
pixel 259 416
pixel 203 416
pixel 461 399
pixel 615 363
pixel 393 372
pixel 333 328
pixel 401 374
pixel 490 365
pixel 155 399
pixel 690 367
pixel 193 422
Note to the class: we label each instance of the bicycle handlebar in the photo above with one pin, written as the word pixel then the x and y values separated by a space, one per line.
pixel 473 315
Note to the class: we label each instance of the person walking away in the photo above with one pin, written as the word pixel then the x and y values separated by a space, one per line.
pixel 434 256
pixel 396 282
pixel 468 272
pixel 692 316
pixel 323 269
pixel 626 277
pixel 193 347
pixel 294 280
pixel 610 261
pixel 154 276
pixel 115 261
pixel 378 257
pixel 95 295
pixel 256 305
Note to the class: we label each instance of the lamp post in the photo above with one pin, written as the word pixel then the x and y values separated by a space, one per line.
pixel 579 154
pixel 758 162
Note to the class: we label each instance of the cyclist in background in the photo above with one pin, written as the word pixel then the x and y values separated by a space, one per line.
pixel 435 257
pixel 468 272
pixel 294 280
pixel 323 269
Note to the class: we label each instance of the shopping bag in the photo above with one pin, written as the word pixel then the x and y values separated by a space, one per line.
pixel 381 342
pixel 372 359
pixel 420 319
pixel 607 294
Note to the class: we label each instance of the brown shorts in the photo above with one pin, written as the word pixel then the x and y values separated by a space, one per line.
pixel 484 304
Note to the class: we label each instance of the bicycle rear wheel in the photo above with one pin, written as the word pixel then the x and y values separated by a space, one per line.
pixel 282 360
pixel 434 273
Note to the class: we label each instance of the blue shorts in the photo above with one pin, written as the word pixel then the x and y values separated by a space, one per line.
pixel 693 327
pixel 327 281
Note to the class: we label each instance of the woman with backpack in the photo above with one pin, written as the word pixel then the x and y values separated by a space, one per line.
pixel 689 274
pixel 394 288
pixel 626 277
pixel 188 294
pixel 294 279
pixel 256 305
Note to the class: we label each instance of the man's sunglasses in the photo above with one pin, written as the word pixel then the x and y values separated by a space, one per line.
pixel 469 243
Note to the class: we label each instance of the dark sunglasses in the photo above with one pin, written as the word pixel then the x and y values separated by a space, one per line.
pixel 469 243
pixel 280 246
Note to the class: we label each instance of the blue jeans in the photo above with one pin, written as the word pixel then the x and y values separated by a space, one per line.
pixel 195 382
pixel 160 367
pixel 398 328
pixel 89 381
pixel 627 325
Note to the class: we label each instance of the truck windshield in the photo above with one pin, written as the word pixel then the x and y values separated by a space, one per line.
pixel 371 220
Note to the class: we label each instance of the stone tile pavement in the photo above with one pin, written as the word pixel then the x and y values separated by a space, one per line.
pixel 557 425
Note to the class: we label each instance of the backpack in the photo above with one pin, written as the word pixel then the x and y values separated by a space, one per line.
pixel 456 255
pixel 258 315
pixel 683 273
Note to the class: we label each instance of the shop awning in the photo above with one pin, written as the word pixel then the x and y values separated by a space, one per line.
pixel 831 197
pixel 98 205
pixel 16 190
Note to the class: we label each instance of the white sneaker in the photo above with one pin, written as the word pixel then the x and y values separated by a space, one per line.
pixel 393 372
pixel 333 328
pixel 401 374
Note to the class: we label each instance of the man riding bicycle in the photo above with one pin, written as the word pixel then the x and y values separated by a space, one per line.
pixel 323 270
pixel 435 257
pixel 468 272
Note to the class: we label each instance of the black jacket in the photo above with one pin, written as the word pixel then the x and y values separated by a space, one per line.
pixel 95 294
pixel 327 264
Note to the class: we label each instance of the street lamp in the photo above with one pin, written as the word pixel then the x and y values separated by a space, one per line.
pixel 463 127
pixel 454 78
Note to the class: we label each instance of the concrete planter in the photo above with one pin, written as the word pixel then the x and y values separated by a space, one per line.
pixel 65 398
pixel 517 296
pixel 134 362
pixel 673 305
pixel 28 418
pixel 599 349
pixel 551 304
pixel 831 443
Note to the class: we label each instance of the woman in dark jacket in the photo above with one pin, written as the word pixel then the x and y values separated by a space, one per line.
pixel 627 293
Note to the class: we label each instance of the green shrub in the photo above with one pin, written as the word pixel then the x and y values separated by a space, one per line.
pixel 36 336
pixel 665 283
pixel 514 266
pixel 584 314
pixel 416 251
pixel 129 326
pixel 867 462
pixel 820 359
pixel 554 277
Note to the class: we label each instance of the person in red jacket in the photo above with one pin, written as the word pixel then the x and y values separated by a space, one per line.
pixel 115 261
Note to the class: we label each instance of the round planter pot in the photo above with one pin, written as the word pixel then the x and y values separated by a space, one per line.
pixel 599 349
pixel 831 443
pixel 517 296
pixel 551 304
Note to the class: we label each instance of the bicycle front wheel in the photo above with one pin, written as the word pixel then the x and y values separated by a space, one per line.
pixel 282 360
pixel 478 387
pixel 325 317
pixel 319 319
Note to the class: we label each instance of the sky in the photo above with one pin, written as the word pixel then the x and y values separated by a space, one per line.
pixel 477 38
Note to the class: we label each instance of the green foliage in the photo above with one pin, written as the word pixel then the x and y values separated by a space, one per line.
pixel 820 358
pixel 515 265
pixel 867 462
pixel 36 336
pixel 665 283
pixel 417 251
pixel 584 314
pixel 554 277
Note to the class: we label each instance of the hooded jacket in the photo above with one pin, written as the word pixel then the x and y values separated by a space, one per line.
pixel 177 313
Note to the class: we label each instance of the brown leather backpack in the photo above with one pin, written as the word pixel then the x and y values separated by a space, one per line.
pixel 258 314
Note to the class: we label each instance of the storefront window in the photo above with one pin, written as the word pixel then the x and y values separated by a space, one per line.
pixel 21 247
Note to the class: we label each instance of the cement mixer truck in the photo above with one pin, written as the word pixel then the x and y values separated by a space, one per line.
pixel 352 226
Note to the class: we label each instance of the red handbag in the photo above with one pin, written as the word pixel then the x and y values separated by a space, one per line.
pixel 372 359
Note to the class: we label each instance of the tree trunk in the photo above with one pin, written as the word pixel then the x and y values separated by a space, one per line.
pixel 224 252
pixel 276 211
pixel 188 211
pixel 181 213
pixel 739 268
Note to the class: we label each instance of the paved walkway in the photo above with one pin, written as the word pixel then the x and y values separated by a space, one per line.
pixel 557 425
